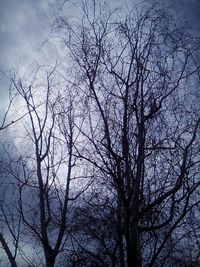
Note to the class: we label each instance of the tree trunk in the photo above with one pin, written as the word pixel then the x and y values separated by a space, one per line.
pixel 8 252
pixel 50 262
pixel 135 257
pixel 50 258
pixel 120 231
pixel 132 244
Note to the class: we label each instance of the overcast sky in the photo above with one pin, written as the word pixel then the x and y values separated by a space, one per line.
pixel 26 24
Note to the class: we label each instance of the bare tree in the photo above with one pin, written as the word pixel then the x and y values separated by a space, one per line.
pixel 141 126
pixel 13 238
pixel 125 128
pixel 47 162
pixel 10 219
pixel 10 225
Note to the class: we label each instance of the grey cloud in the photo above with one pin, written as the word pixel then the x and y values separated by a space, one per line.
pixel 24 24
pixel 187 12
pixel 190 10
pixel 23 27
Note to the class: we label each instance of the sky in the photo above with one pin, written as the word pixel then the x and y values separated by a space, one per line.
pixel 25 25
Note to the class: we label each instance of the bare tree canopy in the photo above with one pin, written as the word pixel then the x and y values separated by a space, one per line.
pixel 112 166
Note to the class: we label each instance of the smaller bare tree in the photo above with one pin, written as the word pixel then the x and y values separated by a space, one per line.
pixel 44 185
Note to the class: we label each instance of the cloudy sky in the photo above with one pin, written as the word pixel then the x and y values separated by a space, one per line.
pixel 26 24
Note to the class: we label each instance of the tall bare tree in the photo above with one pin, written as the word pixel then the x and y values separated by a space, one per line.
pixel 142 125
pixel 125 128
